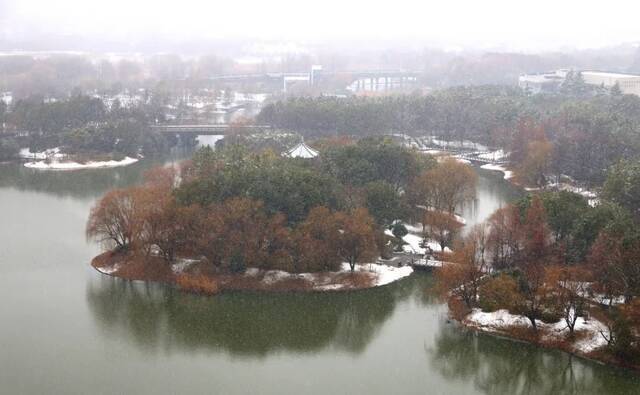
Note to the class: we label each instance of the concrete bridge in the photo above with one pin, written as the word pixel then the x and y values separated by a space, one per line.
pixel 315 75
pixel 211 129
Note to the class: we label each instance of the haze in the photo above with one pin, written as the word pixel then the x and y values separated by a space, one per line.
pixel 455 24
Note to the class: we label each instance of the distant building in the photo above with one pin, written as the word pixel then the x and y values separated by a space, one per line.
pixel 628 83
pixel 6 97
pixel 547 82
pixel 551 82
pixel 301 151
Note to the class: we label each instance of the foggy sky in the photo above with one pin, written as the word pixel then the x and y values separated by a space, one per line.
pixel 507 24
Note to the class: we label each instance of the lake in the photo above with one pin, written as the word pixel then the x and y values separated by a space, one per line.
pixel 67 329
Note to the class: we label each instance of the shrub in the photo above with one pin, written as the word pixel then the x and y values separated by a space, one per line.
pixel 499 292
pixel 197 283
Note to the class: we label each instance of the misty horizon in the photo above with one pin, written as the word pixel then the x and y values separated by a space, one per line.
pixel 198 27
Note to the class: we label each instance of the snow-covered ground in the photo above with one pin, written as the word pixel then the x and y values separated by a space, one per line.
pixel 58 165
pixel 507 173
pixel 591 196
pixel 494 155
pixel 501 320
pixel 51 153
pixel 413 245
pixel 322 282
pixel 384 274
pixel 108 269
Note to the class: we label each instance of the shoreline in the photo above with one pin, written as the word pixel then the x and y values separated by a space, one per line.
pixel 196 277
pixel 541 339
pixel 71 165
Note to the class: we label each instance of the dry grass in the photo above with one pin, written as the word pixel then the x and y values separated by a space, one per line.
pixel 205 279
pixel 135 267
pixel 197 283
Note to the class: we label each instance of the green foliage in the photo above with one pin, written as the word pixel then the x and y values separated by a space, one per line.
pixel 284 185
pixel 586 228
pixel 375 159
pixel 8 149
pixel 83 125
pixel 399 230
pixel 498 293
pixel 384 203
pixel 563 209
pixel 575 224
pixel 588 132
pixel 623 185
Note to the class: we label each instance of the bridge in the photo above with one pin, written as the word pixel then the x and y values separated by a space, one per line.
pixel 211 129
pixel 376 77
pixel 472 153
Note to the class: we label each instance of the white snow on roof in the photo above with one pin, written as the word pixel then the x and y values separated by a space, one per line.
pixel 302 151
pixel 608 74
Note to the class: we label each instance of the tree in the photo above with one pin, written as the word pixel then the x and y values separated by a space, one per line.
pixel 500 292
pixel 569 289
pixel 116 218
pixel 623 185
pixel 615 259
pixel 315 242
pixel 383 202
pixel 244 225
pixel 505 242
pixel 441 227
pixel 174 228
pixel 9 149
pixel 563 209
pixel 446 186
pixel 536 233
pixel 356 239
pixel 465 268
pixel 536 163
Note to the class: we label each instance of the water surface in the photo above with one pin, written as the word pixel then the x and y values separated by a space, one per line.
pixel 65 329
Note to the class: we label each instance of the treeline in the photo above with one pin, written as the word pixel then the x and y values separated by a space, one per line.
pixel 589 129
pixel 84 125
pixel 551 257
pixel 240 209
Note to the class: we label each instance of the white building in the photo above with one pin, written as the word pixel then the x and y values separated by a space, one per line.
pixel 628 83
pixel 542 82
pixel 6 97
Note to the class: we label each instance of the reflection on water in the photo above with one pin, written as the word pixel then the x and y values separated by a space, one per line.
pixel 67 329
pixel 156 317
pixel 492 193
pixel 500 366
pixel 90 183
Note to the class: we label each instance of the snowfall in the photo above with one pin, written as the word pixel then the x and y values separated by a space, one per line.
pixel 501 320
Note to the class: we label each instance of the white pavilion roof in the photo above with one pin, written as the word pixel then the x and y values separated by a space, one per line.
pixel 302 151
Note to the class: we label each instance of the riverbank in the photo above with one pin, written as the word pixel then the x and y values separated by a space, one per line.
pixel 196 276
pixel 587 342
pixel 71 165
pixel 54 159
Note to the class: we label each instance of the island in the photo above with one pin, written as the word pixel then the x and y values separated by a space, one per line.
pixel 330 219
pixel 84 132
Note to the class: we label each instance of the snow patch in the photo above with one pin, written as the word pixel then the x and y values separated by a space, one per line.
pixel 25 153
pixel 592 329
pixel 109 270
pixel 507 173
pixel 322 281
pixel 183 264
pixel 384 274
pixel 55 165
